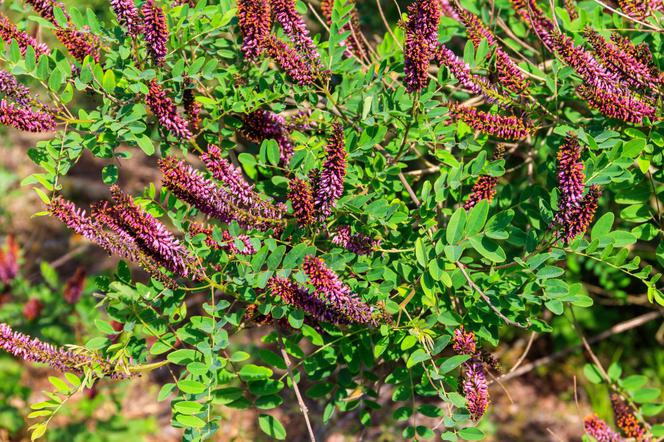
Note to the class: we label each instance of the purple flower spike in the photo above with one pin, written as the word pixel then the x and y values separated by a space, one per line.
pixel 507 127
pixel 570 173
pixel 12 89
pixel 357 243
pixel 46 8
pixel 128 16
pixel 80 44
pixel 155 30
pixel 600 430
pixel 302 199
pixel 329 184
pixel 9 32
pixel 618 104
pixel 475 386
pixel 254 17
pixel 24 118
pixel 421 42
pixel 297 68
pixel 328 287
pixel 290 20
pixel 461 71
pixel 164 108
pixel 262 125
pixel 575 222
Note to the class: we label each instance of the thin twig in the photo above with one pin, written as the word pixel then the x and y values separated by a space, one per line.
pixel 300 401
pixel 486 299
pixel 525 352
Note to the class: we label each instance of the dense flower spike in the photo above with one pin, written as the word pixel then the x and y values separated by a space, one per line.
pixel 354 44
pixel 254 17
pixel 475 385
pixel 328 286
pixel 79 43
pixel 46 8
pixel 357 243
pixel 621 105
pixel 9 32
pixel 467 80
pixel 533 15
pixel 264 125
pixel 630 68
pixel 290 20
pixel 570 7
pixel 421 42
pixel 627 421
pixel 640 52
pixel 164 108
pixel 290 61
pixel 599 429
pixel 483 189
pixel 34 350
pixel 74 286
pixel 128 16
pixel 509 74
pixel 114 241
pixel 192 109
pixel 155 30
pixel 302 199
pixel 192 187
pixel 448 10
pixel 640 9
pixel 329 184
pixel 505 127
pixel 310 303
pixel 152 235
pixel 9 261
pixel 24 118
pixel 576 221
pixel 13 90
pixel 570 174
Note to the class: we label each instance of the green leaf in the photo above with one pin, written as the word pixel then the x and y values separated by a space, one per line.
pixel 187 407
pixel 452 362
pixel 271 426
pixel 416 357
pixel 108 82
pixel 477 217
pixel 182 356
pixel 190 421
pixel 145 143
pixel 602 226
pixel 488 248
pixel 49 274
pixel 471 433
pixel 454 232
pixel 251 372
pixel 191 387
pixel 38 431
pixel 592 373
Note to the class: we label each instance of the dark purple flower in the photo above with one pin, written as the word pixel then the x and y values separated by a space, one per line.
pixel 328 186
pixel 533 16
pixel 570 174
pixel 575 221
pixel 165 110
pixel 9 32
pixel 290 20
pixel 13 90
pixel 228 243
pixel 507 127
pixel 302 199
pixel 24 118
pixel 128 16
pixel 467 80
pixel 570 7
pixel 475 386
pixel 298 69
pixel 33 350
pixel 640 9
pixel 463 342
pixel 192 109
pixel 357 243
pixel 618 104
pixel 327 286
pixel 155 30
pixel 599 429
pixel 483 189
pixel 627 421
pixel 310 303
pixel 449 10
pixel 421 42
pixel 254 18
pixel 263 125
pixel 32 309
pixel 80 44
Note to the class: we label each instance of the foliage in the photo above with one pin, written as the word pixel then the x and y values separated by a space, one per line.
pixel 385 164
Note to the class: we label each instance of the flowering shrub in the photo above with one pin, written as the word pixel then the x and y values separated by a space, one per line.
pixel 384 211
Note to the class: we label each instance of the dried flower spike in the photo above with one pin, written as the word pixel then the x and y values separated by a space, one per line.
pixel 421 42
pixel 265 125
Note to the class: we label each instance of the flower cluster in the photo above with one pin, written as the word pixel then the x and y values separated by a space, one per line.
pixel 128 16
pixel 483 189
pixel 335 293
pixel 9 32
pixel 421 42
pixel 295 66
pixel 248 209
pixel 301 298
pixel 192 109
pixel 80 44
pixel 570 7
pixel 640 9
pixel 32 309
pixel 265 125
pixel 449 10
pixel 580 218
pixel 357 243
pixel 46 8
pixel 302 200
pixel 475 385
pixel 505 127
pixel 509 75
pixel 124 230
pixel 74 286
pixel 622 63
pixel 254 18
pixel 468 80
pixel 329 184
pixel 600 430
pixel 354 44
pixel 13 90
pixel 24 118
pixel 228 241
pixel 9 261
pixel 293 25
pixel 155 30
pixel 34 350
pixel 164 108
pixel 531 13
pixel 626 420
pixel 619 104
